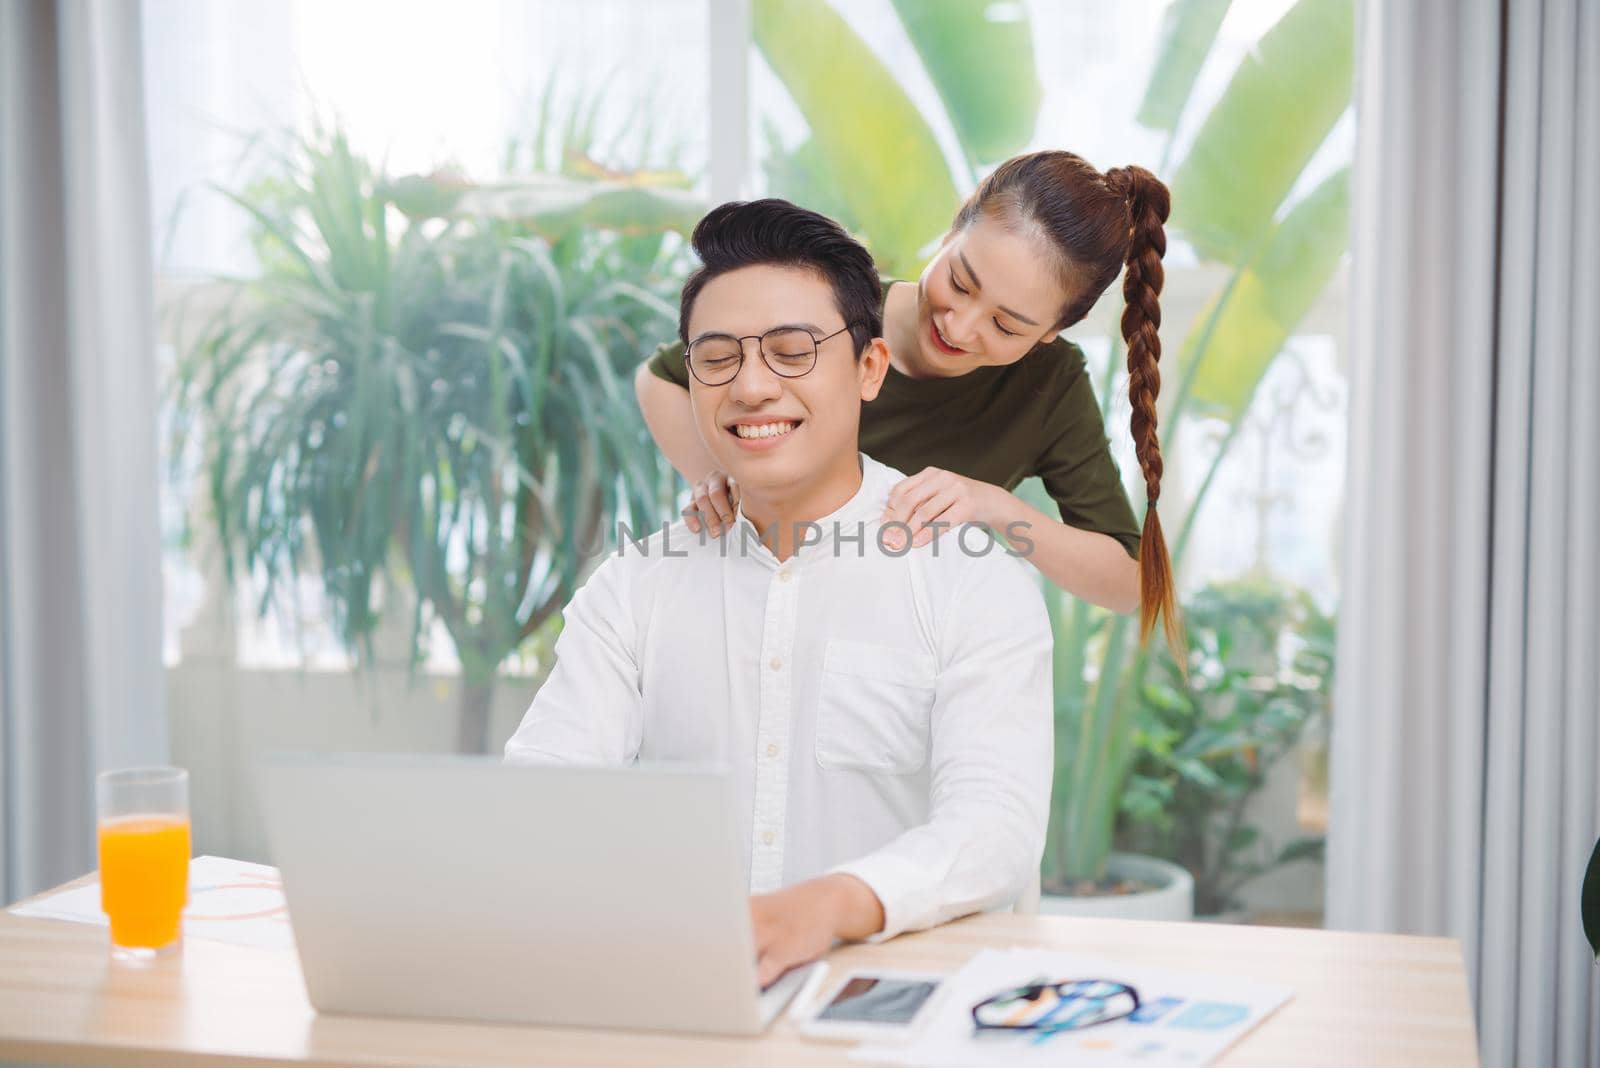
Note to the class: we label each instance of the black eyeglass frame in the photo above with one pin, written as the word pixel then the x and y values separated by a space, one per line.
pixel 761 349
pixel 1033 990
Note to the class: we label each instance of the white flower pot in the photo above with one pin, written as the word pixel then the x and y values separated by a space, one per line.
pixel 1172 900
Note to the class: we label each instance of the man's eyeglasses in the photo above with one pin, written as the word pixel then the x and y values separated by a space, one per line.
pixel 1046 1008
pixel 715 359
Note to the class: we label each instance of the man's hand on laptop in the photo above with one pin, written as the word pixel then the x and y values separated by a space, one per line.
pixel 799 923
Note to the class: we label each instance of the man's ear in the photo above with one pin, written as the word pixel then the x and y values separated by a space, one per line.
pixel 1051 336
pixel 871 367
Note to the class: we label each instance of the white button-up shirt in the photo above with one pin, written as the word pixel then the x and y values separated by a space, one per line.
pixel 883 715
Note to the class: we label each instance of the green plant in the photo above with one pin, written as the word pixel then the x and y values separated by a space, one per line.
pixel 871 159
pixel 1590 901
pixel 1281 251
pixel 436 400
pixel 1260 668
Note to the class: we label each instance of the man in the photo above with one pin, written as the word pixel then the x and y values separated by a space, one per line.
pixel 886 715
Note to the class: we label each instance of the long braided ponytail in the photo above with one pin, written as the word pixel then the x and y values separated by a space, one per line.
pixel 1148 206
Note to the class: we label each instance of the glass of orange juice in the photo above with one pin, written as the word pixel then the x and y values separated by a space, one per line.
pixel 143 831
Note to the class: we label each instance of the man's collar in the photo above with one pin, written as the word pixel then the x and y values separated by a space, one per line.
pixel 857 517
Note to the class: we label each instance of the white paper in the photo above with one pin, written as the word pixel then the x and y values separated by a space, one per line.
pixel 229 901
pixel 1186 1019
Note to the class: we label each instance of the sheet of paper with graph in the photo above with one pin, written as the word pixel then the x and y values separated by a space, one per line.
pixel 229 901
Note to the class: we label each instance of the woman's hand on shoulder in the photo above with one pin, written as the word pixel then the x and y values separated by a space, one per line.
pixel 712 504
pixel 934 500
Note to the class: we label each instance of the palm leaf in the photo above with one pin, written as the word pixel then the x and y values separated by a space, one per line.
pixel 442 410
pixel 869 135
pixel 1271 297
pixel 1187 33
pixel 1254 144
pixel 980 60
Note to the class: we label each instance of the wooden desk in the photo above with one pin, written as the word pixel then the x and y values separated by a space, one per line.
pixel 1359 999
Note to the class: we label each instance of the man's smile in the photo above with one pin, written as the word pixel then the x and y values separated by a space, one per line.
pixel 762 432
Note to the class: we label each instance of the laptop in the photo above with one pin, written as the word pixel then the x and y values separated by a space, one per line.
pixel 462 888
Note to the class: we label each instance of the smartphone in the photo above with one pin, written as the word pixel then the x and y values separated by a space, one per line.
pixel 873 1006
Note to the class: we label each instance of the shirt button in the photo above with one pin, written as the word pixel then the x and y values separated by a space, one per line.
pixel 772 750
pixel 768 838
pixel 776 663
pixel 785 576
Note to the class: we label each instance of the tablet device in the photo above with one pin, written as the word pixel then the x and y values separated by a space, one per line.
pixel 874 1005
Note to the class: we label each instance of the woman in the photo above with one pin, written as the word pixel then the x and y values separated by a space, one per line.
pixel 982 392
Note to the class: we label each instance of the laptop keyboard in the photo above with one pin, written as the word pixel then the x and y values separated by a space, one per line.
pixel 782 991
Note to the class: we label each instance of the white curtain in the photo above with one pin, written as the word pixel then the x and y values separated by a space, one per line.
pixel 80 583
pixel 1466 758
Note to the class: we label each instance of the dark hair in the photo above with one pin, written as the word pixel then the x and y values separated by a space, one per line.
pixel 776 233
pixel 1096 224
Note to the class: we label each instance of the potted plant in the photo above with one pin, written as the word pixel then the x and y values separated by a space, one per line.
pixel 1259 673
pixel 1094 747
pixel 424 395
pixel 1590 902
pixel 1280 253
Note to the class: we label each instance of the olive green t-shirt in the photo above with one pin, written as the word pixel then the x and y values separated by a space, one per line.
pixel 1037 416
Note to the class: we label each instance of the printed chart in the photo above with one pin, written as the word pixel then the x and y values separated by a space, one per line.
pixel 229 901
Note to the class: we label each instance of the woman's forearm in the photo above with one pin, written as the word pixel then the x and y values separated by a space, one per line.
pixel 671 421
pixel 1091 566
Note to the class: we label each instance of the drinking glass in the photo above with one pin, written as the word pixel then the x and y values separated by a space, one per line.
pixel 143 833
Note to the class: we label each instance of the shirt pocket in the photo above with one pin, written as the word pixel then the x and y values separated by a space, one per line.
pixel 874 707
